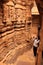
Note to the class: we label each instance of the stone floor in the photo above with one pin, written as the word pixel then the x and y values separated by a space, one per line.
pixel 26 59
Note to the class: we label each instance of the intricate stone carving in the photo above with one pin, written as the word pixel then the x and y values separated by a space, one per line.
pixel 15 30
pixel 9 12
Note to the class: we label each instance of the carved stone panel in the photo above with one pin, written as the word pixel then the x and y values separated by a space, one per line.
pixel 9 12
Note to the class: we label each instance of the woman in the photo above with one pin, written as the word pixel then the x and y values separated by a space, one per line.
pixel 35 45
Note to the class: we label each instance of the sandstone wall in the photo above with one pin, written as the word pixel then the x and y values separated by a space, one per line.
pixel 15 24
